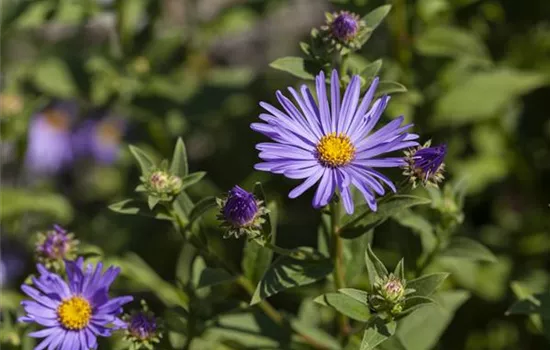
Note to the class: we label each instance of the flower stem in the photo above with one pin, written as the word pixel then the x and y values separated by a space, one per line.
pixel 337 250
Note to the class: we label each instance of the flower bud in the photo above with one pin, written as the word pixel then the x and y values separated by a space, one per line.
pixel 143 329
pixel 425 164
pixel 241 213
pixel 388 295
pixel 345 26
pixel 162 185
pixel 55 246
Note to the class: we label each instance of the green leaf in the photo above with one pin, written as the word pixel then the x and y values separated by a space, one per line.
pixel 152 201
pixel 364 219
pixel 419 225
pixel 137 270
pixel 16 202
pixel 319 336
pixel 213 276
pixel 345 305
pixel 144 161
pixel 287 272
pixel 375 268
pixel 450 42
pixel 425 285
pixel 466 248
pixel 376 333
pixel 296 66
pixel 356 294
pixel 354 257
pixel 136 207
pixel 200 208
pixel 389 87
pixel 414 303
pixel 179 164
pixel 376 16
pixel 371 70
pixel 400 269
pixel 422 329
pixel 52 76
pixel 192 179
pixel 484 95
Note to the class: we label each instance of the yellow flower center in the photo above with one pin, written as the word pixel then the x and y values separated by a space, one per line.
pixel 335 150
pixel 57 119
pixel 108 132
pixel 74 313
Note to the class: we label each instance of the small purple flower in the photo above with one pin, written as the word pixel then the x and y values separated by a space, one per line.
pixel 425 163
pixel 100 139
pixel 333 144
pixel 76 312
pixel 49 140
pixel 142 325
pixel 345 26
pixel 54 246
pixel 240 208
pixel 12 261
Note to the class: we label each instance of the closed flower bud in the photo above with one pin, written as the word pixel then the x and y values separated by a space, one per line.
pixel 143 329
pixel 425 164
pixel 345 26
pixel 389 295
pixel 241 213
pixel 342 30
pixel 162 185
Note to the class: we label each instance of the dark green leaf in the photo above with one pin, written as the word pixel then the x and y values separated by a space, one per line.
pixel 376 16
pixel 287 272
pixel 135 207
pixel 179 164
pixel 389 87
pixel 376 333
pixel 414 303
pixel 400 270
pixel 375 268
pixel 192 179
pixel 296 66
pixel 202 207
pixel 364 219
pixel 462 247
pixel 152 201
pixel 319 336
pixel 213 276
pixel 144 161
pixel 356 294
pixel 345 305
pixel 425 285
pixel 371 70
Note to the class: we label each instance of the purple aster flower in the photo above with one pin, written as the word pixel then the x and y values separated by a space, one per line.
pixel 100 140
pixel 55 246
pixel 241 213
pixel 76 312
pixel 345 26
pixel 49 142
pixel 12 261
pixel 333 144
pixel 425 163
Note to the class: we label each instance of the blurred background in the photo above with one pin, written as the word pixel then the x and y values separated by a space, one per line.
pixel 83 79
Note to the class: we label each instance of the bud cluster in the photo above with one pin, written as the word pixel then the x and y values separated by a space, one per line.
pixel 161 185
pixel 389 294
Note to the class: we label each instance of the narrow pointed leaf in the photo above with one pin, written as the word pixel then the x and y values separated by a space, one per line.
pixel 179 164
pixel 135 207
pixel 371 70
pixel 213 276
pixel 296 66
pixel 192 179
pixel 144 161
pixel 201 207
pixel 400 270
pixel 425 285
pixel 376 16
pixel 152 202
pixel 375 268
pixel 359 295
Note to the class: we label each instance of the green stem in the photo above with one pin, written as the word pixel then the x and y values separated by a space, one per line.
pixel 429 258
pixel 336 253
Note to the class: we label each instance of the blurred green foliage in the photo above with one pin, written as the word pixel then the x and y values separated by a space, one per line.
pixel 477 74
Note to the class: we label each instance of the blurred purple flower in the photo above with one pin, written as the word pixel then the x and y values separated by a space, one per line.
pixel 12 261
pixel 99 139
pixel 49 140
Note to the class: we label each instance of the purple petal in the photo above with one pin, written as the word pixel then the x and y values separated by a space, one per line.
pixel 335 99
pixel 312 180
pixel 325 190
pixel 349 106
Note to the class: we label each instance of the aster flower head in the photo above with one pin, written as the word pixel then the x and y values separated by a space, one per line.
pixel 241 213
pixel 49 147
pixel 55 246
pixel 73 312
pixel 425 164
pixel 332 143
pixel 100 139
pixel 143 329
